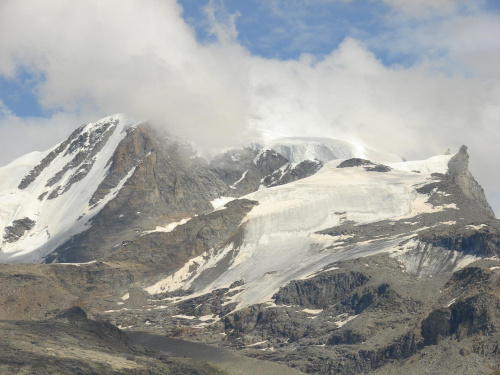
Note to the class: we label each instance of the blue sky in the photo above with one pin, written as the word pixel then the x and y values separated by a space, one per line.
pixel 411 77
pixel 282 30
pixel 286 30
pixel 19 94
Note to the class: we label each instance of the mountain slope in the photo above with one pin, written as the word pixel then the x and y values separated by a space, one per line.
pixel 54 191
pixel 282 238
pixel 324 255
pixel 113 179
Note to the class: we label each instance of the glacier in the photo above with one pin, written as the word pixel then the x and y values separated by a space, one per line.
pixel 281 242
pixel 297 149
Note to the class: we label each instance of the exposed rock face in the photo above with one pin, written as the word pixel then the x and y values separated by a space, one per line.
pixel 245 169
pixel 460 174
pixel 472 316
pixel 321 291
pixel 72 314
pixel 378 168
pixel 85 147
pixel 35 172
pixel 82 146
pixel 292 172
pixel 354 162
pixel 130 153
pixel 208 304
pixel 17 229
pixel 366 164
pixel 268 161
pixel 165 185
pixel 170 250
pixel 482 240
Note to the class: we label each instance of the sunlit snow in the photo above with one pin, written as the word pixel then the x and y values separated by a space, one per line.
pixel 280 243
pixel 56 219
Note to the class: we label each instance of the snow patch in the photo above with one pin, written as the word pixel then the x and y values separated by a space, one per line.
pixel 476 227
pixel 233 186
pixel 313 312
pixel 219 203
pixel 169 227
pixel 449 222
pixel 184 276
pixel 298 149
pixel 188 317
pixel 344 319
pixel 176 280
pixel 255 344
pixel 435 164
pixel 316 273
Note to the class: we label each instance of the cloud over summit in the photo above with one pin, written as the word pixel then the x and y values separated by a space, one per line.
pixel 94 58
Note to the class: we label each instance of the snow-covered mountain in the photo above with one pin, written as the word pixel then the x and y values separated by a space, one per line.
pixel 284 236
pixel 325 255
pixel 63 201
pixel 47 198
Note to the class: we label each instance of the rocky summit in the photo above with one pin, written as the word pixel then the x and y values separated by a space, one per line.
pixel 123 251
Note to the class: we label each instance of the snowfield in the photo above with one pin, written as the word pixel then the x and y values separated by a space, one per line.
pixel 56 219
pixel 280 243
pixel 297 149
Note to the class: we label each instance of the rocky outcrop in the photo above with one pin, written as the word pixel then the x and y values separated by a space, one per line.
pixel 73 313
pixel 245 169
pixel 167 183
pixel 130 153
pixel 478 314
pixel 366 164
pixel 320 291
pixel 214 303
pixel 354 162
pixel 86 147
pixel 379 168
pixel 35 172
pixel 480 240
pixel 292 172
pixel 458 171
pixel 168 251
pixel 379 296
pixel 18 229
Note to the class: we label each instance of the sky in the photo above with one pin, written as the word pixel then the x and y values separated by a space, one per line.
pixel 410 77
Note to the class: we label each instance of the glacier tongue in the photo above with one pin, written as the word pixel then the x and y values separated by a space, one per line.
pixel 59 217
pixel 280 243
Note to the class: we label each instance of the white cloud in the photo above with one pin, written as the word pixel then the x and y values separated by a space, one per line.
pixel 132 56
pixel 352 94
pixel 222 23
pixel 140 57
pixel 20 136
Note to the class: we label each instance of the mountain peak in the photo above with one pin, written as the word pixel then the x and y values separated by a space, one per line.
pixel 458 171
